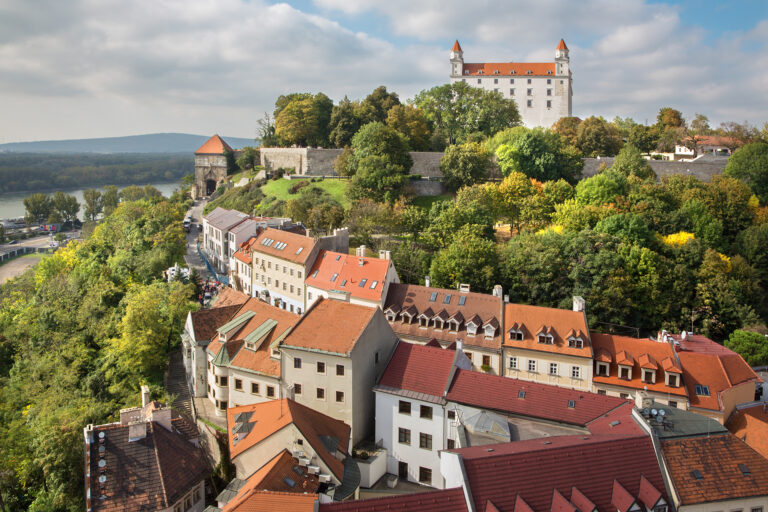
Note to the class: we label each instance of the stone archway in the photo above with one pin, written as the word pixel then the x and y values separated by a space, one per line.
pixel 210 187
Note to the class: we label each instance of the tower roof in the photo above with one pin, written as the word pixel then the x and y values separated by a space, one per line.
pixel 215 145
pixel 561 46
pixel 456 47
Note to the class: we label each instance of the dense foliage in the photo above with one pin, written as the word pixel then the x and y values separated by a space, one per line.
pixel 79 334
pixel 37 171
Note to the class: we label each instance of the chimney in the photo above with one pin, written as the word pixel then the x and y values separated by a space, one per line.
pixel 459 345
pixel 88 431
pixel 464 288
pixel 308 232
pixel 145 396
pixel 579 304
pixel 506 299
pixel 385 255
pixel 427 281
pixel 498 291
pixel 137 431
pixel 360 251
pixel 163 417
pixel 642 400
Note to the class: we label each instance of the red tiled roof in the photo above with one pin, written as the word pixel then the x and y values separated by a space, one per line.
pixel 648 494
pixel 417 368
pixel 297 247
pixel 638 353
pixel 274 415
pixel 560 504
pixel 456 46
pixel 213 146
pixel 520 505
pixel 206 321
pixel 275 475
pixel 349 274
pixel 540 401
pixel 331 326
pixel 446 500
pixel 750 424
pixel 559 322
pixel 259 501
pixel 415 299
pixel 617 422
pixel 510 69
pixel 561 45
pixel 717 460
pixel 228 296
pixel 580 501
pixel 620 497
pixel 534 469
pixel 719 371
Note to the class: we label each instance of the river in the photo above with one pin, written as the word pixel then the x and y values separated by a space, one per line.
pixel 12 203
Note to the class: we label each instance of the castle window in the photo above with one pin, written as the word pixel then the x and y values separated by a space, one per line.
pixel 549 72
pixel 511 80
pixel 496 80
pixel 549 81
pixel 530 92
pixel 530 103
pixel 479 80
pixel 549 104
pixel 549 92
pixel 511 92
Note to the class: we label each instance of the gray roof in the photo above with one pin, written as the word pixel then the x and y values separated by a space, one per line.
pixel 223 219
pixel 230 491
pixel 677 423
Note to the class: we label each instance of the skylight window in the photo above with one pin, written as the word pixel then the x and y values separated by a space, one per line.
pixel 697 474
pixel 462 300
pixel 333 277
pixel 521 394
pixel 314 274
pixel 362 282
pixel 433 297
pixel 344 283
pixel 290 482
pixel 298 251
pixel 373 284
pixel 571 404
pixel 338 257
pixel 447 299
pixel 702 390
pixel 744 470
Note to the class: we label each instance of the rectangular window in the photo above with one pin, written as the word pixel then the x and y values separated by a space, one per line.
pixel 254 388
pixel 320 394
pixel 452 414
pixel 513 362
pixel 529 80
pixel 320 367
pixel 222 381
pixel 270 391
pixel 297 389
pixel 403 436
pixel 404 407
pixel 339 396
pixel 487 361
pixel 495 80
pixel 673 381
pixel 425 412
pixel 549 81
pixel 549 92
pixel 496 89
pixel 511 92
pixel 672 403
pixel 531 365
pixel 425 475
pixel 530 103
pixel 575 372
pixel 451 444
pixel 549 103
pixel 479 80
pixel 238 384
pixel 624 395
pixel 297 362
pixel 425 441
pixel 601 392
pixel 530 92
pixel 511 80
pixel 362 282
pixel 340 370
pixel 469 356
pixel 553 368
pixel 625 373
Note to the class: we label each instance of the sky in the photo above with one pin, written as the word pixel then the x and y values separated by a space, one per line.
pixel 102 68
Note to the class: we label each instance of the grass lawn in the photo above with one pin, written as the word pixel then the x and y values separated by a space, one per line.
pixel 426 201
pixel 279 188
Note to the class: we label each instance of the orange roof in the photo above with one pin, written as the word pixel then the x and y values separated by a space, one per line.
pixel 228 296
pixel 560 323
pixel 343 272
pixel 716 468
pixel 561 46
pixel 331 326
pixel 275 415
pixel 213 146
pixel 510 68
pixel 720 372
pixel 243 256
pixel 750 424
pixel 616 350
pixel 456 46
pixel 277 475
pixel 258 501
pixel 297 248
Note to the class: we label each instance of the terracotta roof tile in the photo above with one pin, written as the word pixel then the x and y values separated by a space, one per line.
pixel 620 497
pixel 260 501
pixel 750 424
pixel 462 306
pixel 349 274
pixel 206 321
pixel 275 415
pixel 533 469
pixel 648 494
pixel 560 504
pixel 561 45
pixel 277 475
pixel 340 335
pixel 422 369
pixel 456 46
pixel 213 146
pixel 539 401
pixel 522 69
pixel 228 296
pixel 520 505
pixel 580 501
pixel 707 469
pixel 297 248
pixel 446 500
pixel 558 322
pixel 719 372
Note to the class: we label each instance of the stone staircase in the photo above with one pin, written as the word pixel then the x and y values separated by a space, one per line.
pixel 176 384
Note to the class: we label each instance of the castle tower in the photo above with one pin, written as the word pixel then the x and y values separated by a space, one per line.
pixel 457 60
pixel 561 59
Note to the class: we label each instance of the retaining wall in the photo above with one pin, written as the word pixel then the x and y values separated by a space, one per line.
pixel 703 170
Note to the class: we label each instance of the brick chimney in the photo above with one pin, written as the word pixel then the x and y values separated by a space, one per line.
pixel 145 396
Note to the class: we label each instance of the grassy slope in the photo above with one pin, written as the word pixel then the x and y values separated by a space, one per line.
pixel 279 189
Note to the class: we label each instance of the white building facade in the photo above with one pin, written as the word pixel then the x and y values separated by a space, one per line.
pixel 543 91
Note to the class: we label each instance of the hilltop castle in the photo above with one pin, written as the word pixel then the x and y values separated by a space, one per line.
pixel 542 90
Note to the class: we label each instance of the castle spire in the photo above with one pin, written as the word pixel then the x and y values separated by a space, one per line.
pixel 457 46
pixel 560 46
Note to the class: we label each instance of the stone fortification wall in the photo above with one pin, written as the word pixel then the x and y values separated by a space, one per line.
pixel 703 170
pixel 427 163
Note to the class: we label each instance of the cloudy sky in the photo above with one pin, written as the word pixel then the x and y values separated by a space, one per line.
pixel 99 68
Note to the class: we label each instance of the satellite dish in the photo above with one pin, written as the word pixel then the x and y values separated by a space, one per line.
pixel 102 463
pixel 646 412
pixel 662 412
pixel 654 412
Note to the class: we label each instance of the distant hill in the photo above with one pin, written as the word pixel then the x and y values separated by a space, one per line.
pixel 149 143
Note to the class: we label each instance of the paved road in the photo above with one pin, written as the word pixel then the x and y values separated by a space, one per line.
pixel 193 259
pixel 16 267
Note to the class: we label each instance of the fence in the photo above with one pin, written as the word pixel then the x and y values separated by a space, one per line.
pixel 8 254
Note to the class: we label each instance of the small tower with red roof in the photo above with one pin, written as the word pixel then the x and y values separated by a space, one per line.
pixel 210 166
pixel 457 60
pixel 561 59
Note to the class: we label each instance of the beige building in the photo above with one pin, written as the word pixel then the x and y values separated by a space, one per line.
pixel 419 314
pixel 548 345
pixel 332 359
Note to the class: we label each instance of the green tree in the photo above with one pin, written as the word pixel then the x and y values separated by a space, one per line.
pixel 752 346
pixel 410 121
pixel 378 179
pixel 344 123
pixel 538 154
pixel 446 219
pixel 266 131
pixel 249 158
pixel 568 128
pixel 464 165
pixel 595 137
pixel 469 259
pixel 604 188
pixel 66 206
pixel 304 120
pixel 750 165
pixel 134 193
pixel 110 199
pixel 376 106
pixel 457 110
pixel 751 244
pixel 377 139
pixel 628 226
pixel 696 217
pixel 644 138
pixel 700 125
pixel 630 162
pixel 342 163
pixel 670 118
pixel 39 207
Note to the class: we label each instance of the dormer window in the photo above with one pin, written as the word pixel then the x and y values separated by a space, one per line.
pixel 471 329
pixel 547 339
pixel 390 316
pixel 512 73
pixel 453 325
pixel 423 322
pixel 490 331
pixel 549 71
pixel 528 72
pixel 466 71
pixel 625 372
pixel 602 369
pixel 480 72
pixel 438 323
pixel 516 335
pixel 495 71
pixel 673 380
pixel 575 342
pixel 649 376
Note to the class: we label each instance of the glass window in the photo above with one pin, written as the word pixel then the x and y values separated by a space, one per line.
pixel 575 372
pixel 553 368
pixel 320 394
pixel 339 396
pixel 513 362
pixel 452 414
pixel 451 444
pixel 404 407
pixel 340 370
pixel 549 103
pixel 320 367
pixel 425 475
pixel 297 362
pixel 530 92
pixel 297 389
pixel 531 365
pixel 238 384
pixel 403 436
pixel 255 388
pixel 425 412
pixel 270 391
pixel 425 441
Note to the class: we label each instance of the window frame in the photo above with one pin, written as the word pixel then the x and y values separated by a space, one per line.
pixel 401 407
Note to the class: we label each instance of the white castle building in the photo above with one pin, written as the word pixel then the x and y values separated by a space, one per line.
pixel 543 90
